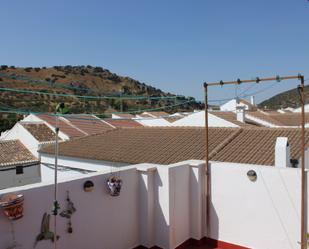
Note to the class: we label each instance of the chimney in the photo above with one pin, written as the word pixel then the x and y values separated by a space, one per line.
pixel 252 100
pixel 240 113
pixel 282 153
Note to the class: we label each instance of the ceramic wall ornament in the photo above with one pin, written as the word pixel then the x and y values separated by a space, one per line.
pixel 45 233
pixel 88 186
pixel 68 213
pixel 252 175
pixel 13 206
pixel 114 184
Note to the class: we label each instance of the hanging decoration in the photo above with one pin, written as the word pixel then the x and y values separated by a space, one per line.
pixel 45 234
pixel 114 184
pixel 13 206
pixel 88 186
pixel 68 212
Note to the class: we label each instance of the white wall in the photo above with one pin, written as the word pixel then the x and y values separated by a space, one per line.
pixel 198 119
pixel 9 179
pixel 78 163
pixel 262 214
pixel 299 109
pixel 152 209
pixel 101 221
pixel 231 105
pixel 164 205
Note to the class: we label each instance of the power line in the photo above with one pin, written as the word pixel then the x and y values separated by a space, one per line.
pixel 23 111
pixel 5 89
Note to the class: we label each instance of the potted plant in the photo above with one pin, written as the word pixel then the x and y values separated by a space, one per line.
pixel 114 184
pixel 12 206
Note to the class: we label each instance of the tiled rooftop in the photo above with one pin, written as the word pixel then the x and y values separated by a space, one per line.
pixel 231 117
pixel 13 152
pixel 123 123
pixel 88 124
pixel 279 119
pixel 39 131
pixel 257 146
pixel 141 145
pixel 63 125
pixel 170 145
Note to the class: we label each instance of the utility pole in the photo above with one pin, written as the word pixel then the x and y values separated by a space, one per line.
pixel 302 146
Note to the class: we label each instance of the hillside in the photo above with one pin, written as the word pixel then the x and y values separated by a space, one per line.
pixel 79 80
pixel 285 99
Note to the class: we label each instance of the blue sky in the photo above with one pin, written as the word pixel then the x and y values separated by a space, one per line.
pixel 174 45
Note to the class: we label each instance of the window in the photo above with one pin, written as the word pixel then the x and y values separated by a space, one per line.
pixel 19 170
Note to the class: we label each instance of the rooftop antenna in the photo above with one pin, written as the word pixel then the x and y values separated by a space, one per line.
pixel 301 89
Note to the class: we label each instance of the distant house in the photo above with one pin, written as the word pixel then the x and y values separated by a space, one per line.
pixel 215 119
pixel 275 119
pixel 72 126
pixel 233 103
pixel 18 166
pixel 122 116
pixel 120 123
pixel 33 135
pixel 299 109
pixel 158 114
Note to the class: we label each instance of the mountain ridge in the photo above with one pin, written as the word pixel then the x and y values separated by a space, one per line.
pixel 92 81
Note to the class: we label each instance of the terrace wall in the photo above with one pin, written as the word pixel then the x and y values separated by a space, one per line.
pixel 261 214
pixel 164 205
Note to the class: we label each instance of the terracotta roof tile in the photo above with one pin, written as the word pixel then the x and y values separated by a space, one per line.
pixel 13 153
pixel 279 119
pixel 144 145
pixel 230 117
pixel 88 124
pixel 40 132
pixel 172 119
pixel 63 125
pixel 174 144
pixel 123 123
pixel 257 146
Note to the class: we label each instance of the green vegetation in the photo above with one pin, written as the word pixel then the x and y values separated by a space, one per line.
pixel 289 98
pixel 80 80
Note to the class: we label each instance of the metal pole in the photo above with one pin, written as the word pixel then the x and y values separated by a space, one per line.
pixel 207 170
pixel 303 180
pixel 55 211
pixel 256 80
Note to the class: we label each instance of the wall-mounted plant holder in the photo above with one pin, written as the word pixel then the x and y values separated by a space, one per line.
pixel 114 184
pixel 88 186
pixel 13 206
pixel 252 175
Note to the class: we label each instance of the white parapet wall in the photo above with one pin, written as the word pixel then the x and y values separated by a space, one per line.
pixel 261 214
pixel 164 205
pixel 158 205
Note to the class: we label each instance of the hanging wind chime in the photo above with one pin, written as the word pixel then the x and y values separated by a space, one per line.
pixel 68 213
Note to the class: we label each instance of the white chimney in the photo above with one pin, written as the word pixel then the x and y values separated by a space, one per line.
pixel 282 153
pixel 240 113
pixel 252 99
